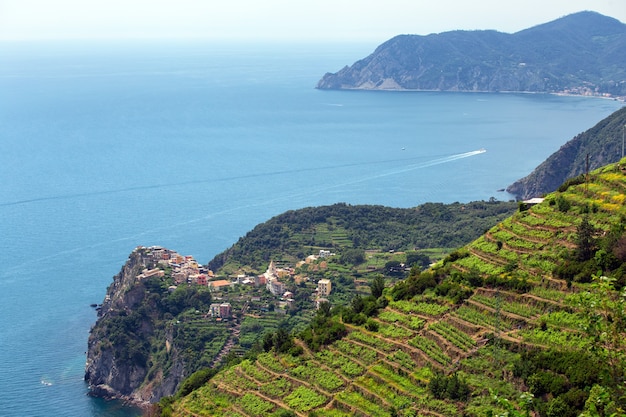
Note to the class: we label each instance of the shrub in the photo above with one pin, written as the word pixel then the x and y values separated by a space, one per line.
pixel 546 382
pixel 413 285
pixel 455 291
pixel 195 381
pixel 371 325
pixel 456 255
pixel 562 204
pixel 580 179
pixel 448 387
pixel 557 407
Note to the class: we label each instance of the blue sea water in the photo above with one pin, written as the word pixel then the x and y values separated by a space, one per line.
pixel 106 146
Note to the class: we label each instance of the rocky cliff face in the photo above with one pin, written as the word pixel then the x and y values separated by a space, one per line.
pixel 602 144
pixel 118 357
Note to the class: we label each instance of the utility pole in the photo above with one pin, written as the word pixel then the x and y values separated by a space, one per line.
pixel 587 175
pixel 623 128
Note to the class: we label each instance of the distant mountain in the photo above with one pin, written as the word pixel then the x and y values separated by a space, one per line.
pixel 583 53
pixel 603 144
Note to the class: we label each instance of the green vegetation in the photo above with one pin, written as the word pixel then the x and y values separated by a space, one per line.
pixel 350 230
pixel 137 337
pixel 323 330
pixel 523 332
pixel 449 386
pixel 575 53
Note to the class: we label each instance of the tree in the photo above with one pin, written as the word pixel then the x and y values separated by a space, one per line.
pixel 418 259
pixel 283 341
pixel 378 285
pixel 599 403
pixel 563 204
pixel 357 304
pixel 619 249
pixel 324 309
pixel 451 387
pixel 352 257
pixel 268 341
pixel 584 240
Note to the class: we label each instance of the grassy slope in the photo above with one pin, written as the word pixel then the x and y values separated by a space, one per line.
pixel 379 373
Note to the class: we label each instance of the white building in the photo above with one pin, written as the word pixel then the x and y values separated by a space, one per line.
pixel 275 286
pixel 272 283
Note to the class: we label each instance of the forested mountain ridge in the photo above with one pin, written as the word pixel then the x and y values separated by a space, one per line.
pixel 297 233
pixel 583 53
pixel 602 143
pixel 529 319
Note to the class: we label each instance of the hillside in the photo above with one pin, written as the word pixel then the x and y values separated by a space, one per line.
pixel 525 319
pixel 161 320
pixel 293 235
pixel 583 53
pixel 603 144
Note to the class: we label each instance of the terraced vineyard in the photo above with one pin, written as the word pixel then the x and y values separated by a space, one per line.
pixel 363 374
pixel 388 370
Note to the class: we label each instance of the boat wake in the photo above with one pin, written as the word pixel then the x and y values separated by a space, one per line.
pixel 432 162
pixel 429 163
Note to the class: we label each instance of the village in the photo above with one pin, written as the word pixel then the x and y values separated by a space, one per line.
pixel 185 270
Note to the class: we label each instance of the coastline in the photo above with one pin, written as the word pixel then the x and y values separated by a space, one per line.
pixel 621 99
pixel 108 394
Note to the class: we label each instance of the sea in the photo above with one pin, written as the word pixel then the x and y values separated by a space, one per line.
pixel 188 144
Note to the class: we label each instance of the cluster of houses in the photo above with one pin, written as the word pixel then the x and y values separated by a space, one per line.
pixel 273 278
pixel 185 269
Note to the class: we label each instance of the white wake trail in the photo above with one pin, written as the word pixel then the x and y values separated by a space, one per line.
pixel 413 167
pixel 311 191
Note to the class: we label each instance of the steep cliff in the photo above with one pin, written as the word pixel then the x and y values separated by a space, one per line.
pixel 603 144
pixel 135 349
pixel 583 53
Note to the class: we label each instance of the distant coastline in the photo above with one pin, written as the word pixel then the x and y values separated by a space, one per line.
pixel 621 99
pixel 576 56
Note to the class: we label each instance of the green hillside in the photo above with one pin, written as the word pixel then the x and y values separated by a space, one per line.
pixel 529 319
pixel 293 235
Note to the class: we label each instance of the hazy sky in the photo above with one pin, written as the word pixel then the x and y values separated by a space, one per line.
pixel 279 19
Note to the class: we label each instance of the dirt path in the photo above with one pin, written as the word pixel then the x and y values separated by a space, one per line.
pixel 230 342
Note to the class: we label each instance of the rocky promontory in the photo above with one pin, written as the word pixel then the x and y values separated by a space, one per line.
pixel 134 349
pixel 583 53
